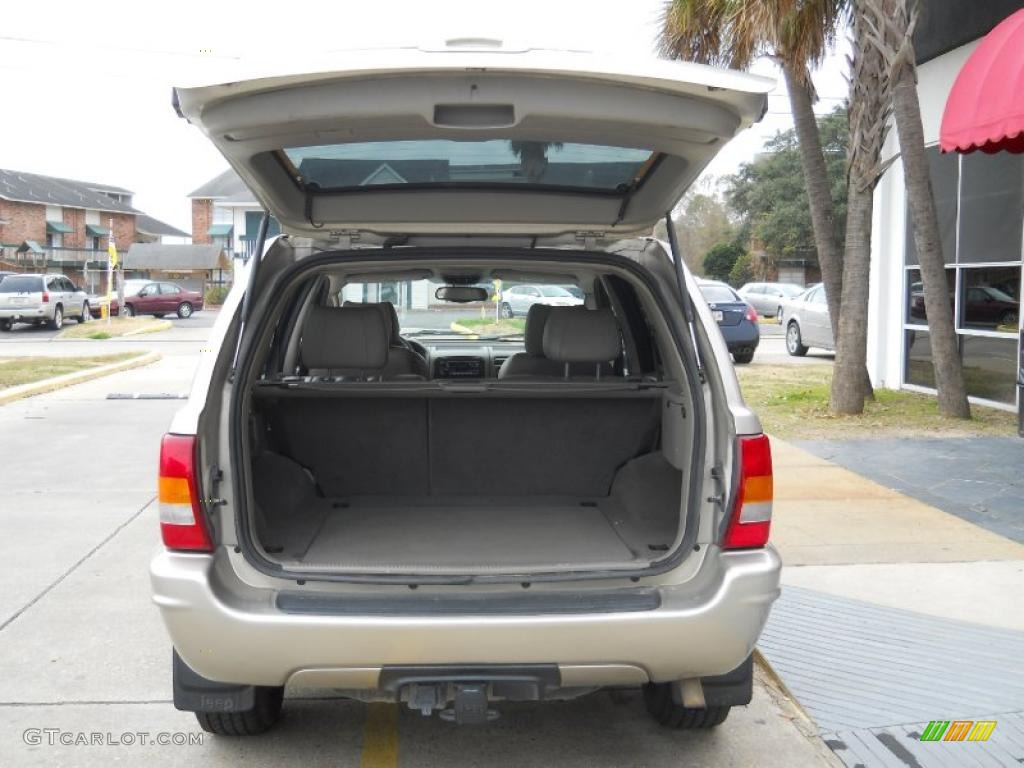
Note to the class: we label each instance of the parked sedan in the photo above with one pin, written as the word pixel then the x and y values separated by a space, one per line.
pixel 41 299
pixel 736 319
pixel 517 300
pixel 767 298
pixel 159 299
pixel 807 322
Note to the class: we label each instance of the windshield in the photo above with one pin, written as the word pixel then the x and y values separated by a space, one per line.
pixel 718 294
pixel 20 284
pixel 421 313
pixel 790 290
pixel 447 162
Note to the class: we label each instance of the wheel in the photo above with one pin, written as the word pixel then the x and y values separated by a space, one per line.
pixel 1009 317
pixel 85 317
pixel 58 318
pixel 265 712
pixel 184 310
pixel 794 344
pixel 506 311
pixel 6 324
pixel 778 315
pixel 128 310
pixel 658 698
pixel 743 356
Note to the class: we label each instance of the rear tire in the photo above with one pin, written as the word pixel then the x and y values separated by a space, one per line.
pixel 506 311
pixel 794 343
pixel 85 317
pixel 6 325
pixel 658 698
pixel 265 712
pixel 743 357
pixel 184 310
pixel 58 318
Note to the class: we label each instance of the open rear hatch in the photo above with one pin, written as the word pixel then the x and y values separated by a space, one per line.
pixel 475 141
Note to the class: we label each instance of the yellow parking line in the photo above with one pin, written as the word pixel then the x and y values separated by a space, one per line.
pixel 380 737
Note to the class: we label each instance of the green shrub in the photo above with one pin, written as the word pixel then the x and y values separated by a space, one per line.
pixel 215 294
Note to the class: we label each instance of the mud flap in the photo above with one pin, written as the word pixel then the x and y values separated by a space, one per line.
pixel 194 693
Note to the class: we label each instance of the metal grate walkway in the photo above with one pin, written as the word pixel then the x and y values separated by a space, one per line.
pixel 871 675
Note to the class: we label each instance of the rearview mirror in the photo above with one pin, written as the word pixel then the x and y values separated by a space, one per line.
pixel 462 294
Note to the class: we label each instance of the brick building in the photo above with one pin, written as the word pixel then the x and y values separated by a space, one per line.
pixel 225 213
pixel 70 222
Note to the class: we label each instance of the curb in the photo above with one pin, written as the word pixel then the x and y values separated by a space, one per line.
pixel 163 325
pixel 773 677
pixel 11 394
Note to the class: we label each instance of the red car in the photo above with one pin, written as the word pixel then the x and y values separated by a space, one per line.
pixel 156 298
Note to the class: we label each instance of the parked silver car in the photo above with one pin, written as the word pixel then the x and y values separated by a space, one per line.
pixel 767 298
pixel 418 523
pixel 40 299
pixel 517 300
pixel 807 322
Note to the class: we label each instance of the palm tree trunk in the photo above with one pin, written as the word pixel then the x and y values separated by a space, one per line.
pixel 848 391
pixel 819 193
pixel 949 374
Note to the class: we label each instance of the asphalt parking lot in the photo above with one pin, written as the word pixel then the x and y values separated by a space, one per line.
pixel 82 649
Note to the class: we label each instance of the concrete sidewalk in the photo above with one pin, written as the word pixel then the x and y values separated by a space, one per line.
pixel 893 613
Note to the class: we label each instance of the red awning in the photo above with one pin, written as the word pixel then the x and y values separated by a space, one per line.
pixel 985 108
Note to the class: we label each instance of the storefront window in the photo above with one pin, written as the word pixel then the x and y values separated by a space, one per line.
pixel 945 177
pixel 914 303
pixel 991 207
pixel 919 368
pixel 990 298
pixel 990 367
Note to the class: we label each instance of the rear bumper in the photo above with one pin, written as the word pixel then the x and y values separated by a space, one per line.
pixel 744 335
pixel 229 632
pixel 26 313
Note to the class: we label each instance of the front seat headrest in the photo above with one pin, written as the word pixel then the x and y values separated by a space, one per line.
pixel 345 338
pixel 533 336
pixel 581 335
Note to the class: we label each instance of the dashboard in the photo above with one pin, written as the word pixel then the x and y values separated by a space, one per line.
pixel 458 359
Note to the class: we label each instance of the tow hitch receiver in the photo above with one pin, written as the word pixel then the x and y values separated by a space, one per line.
pixel 470 705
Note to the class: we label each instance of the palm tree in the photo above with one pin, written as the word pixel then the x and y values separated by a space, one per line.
pixel 796 34
pixel 869 111
pixel 893 35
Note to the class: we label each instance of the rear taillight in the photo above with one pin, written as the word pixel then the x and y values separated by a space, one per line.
pixel 46 298
pixel 751 314
pixel 751 516
pixel 182 522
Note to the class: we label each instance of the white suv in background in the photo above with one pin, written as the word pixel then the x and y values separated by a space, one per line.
pixel 40 299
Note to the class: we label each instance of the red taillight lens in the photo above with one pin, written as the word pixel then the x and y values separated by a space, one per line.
pixel 751 517
pixel 751 314
pixel 46 298
pixel 182 522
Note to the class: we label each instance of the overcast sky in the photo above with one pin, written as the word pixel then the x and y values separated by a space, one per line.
pixel 86 87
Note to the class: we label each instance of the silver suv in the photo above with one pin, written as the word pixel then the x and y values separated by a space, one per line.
pixel 41 299
pixel 359 497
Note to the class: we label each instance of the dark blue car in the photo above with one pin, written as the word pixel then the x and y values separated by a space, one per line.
pixel 736 319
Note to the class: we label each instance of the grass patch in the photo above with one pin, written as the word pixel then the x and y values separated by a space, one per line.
pixel 488 326
pixel 118 326
pixel 792 401
pixel 26 370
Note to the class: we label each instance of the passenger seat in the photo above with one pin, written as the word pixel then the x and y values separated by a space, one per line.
pixel 584 343
pixel 532 362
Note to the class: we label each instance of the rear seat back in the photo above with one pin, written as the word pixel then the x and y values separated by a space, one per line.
pixel 348 342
